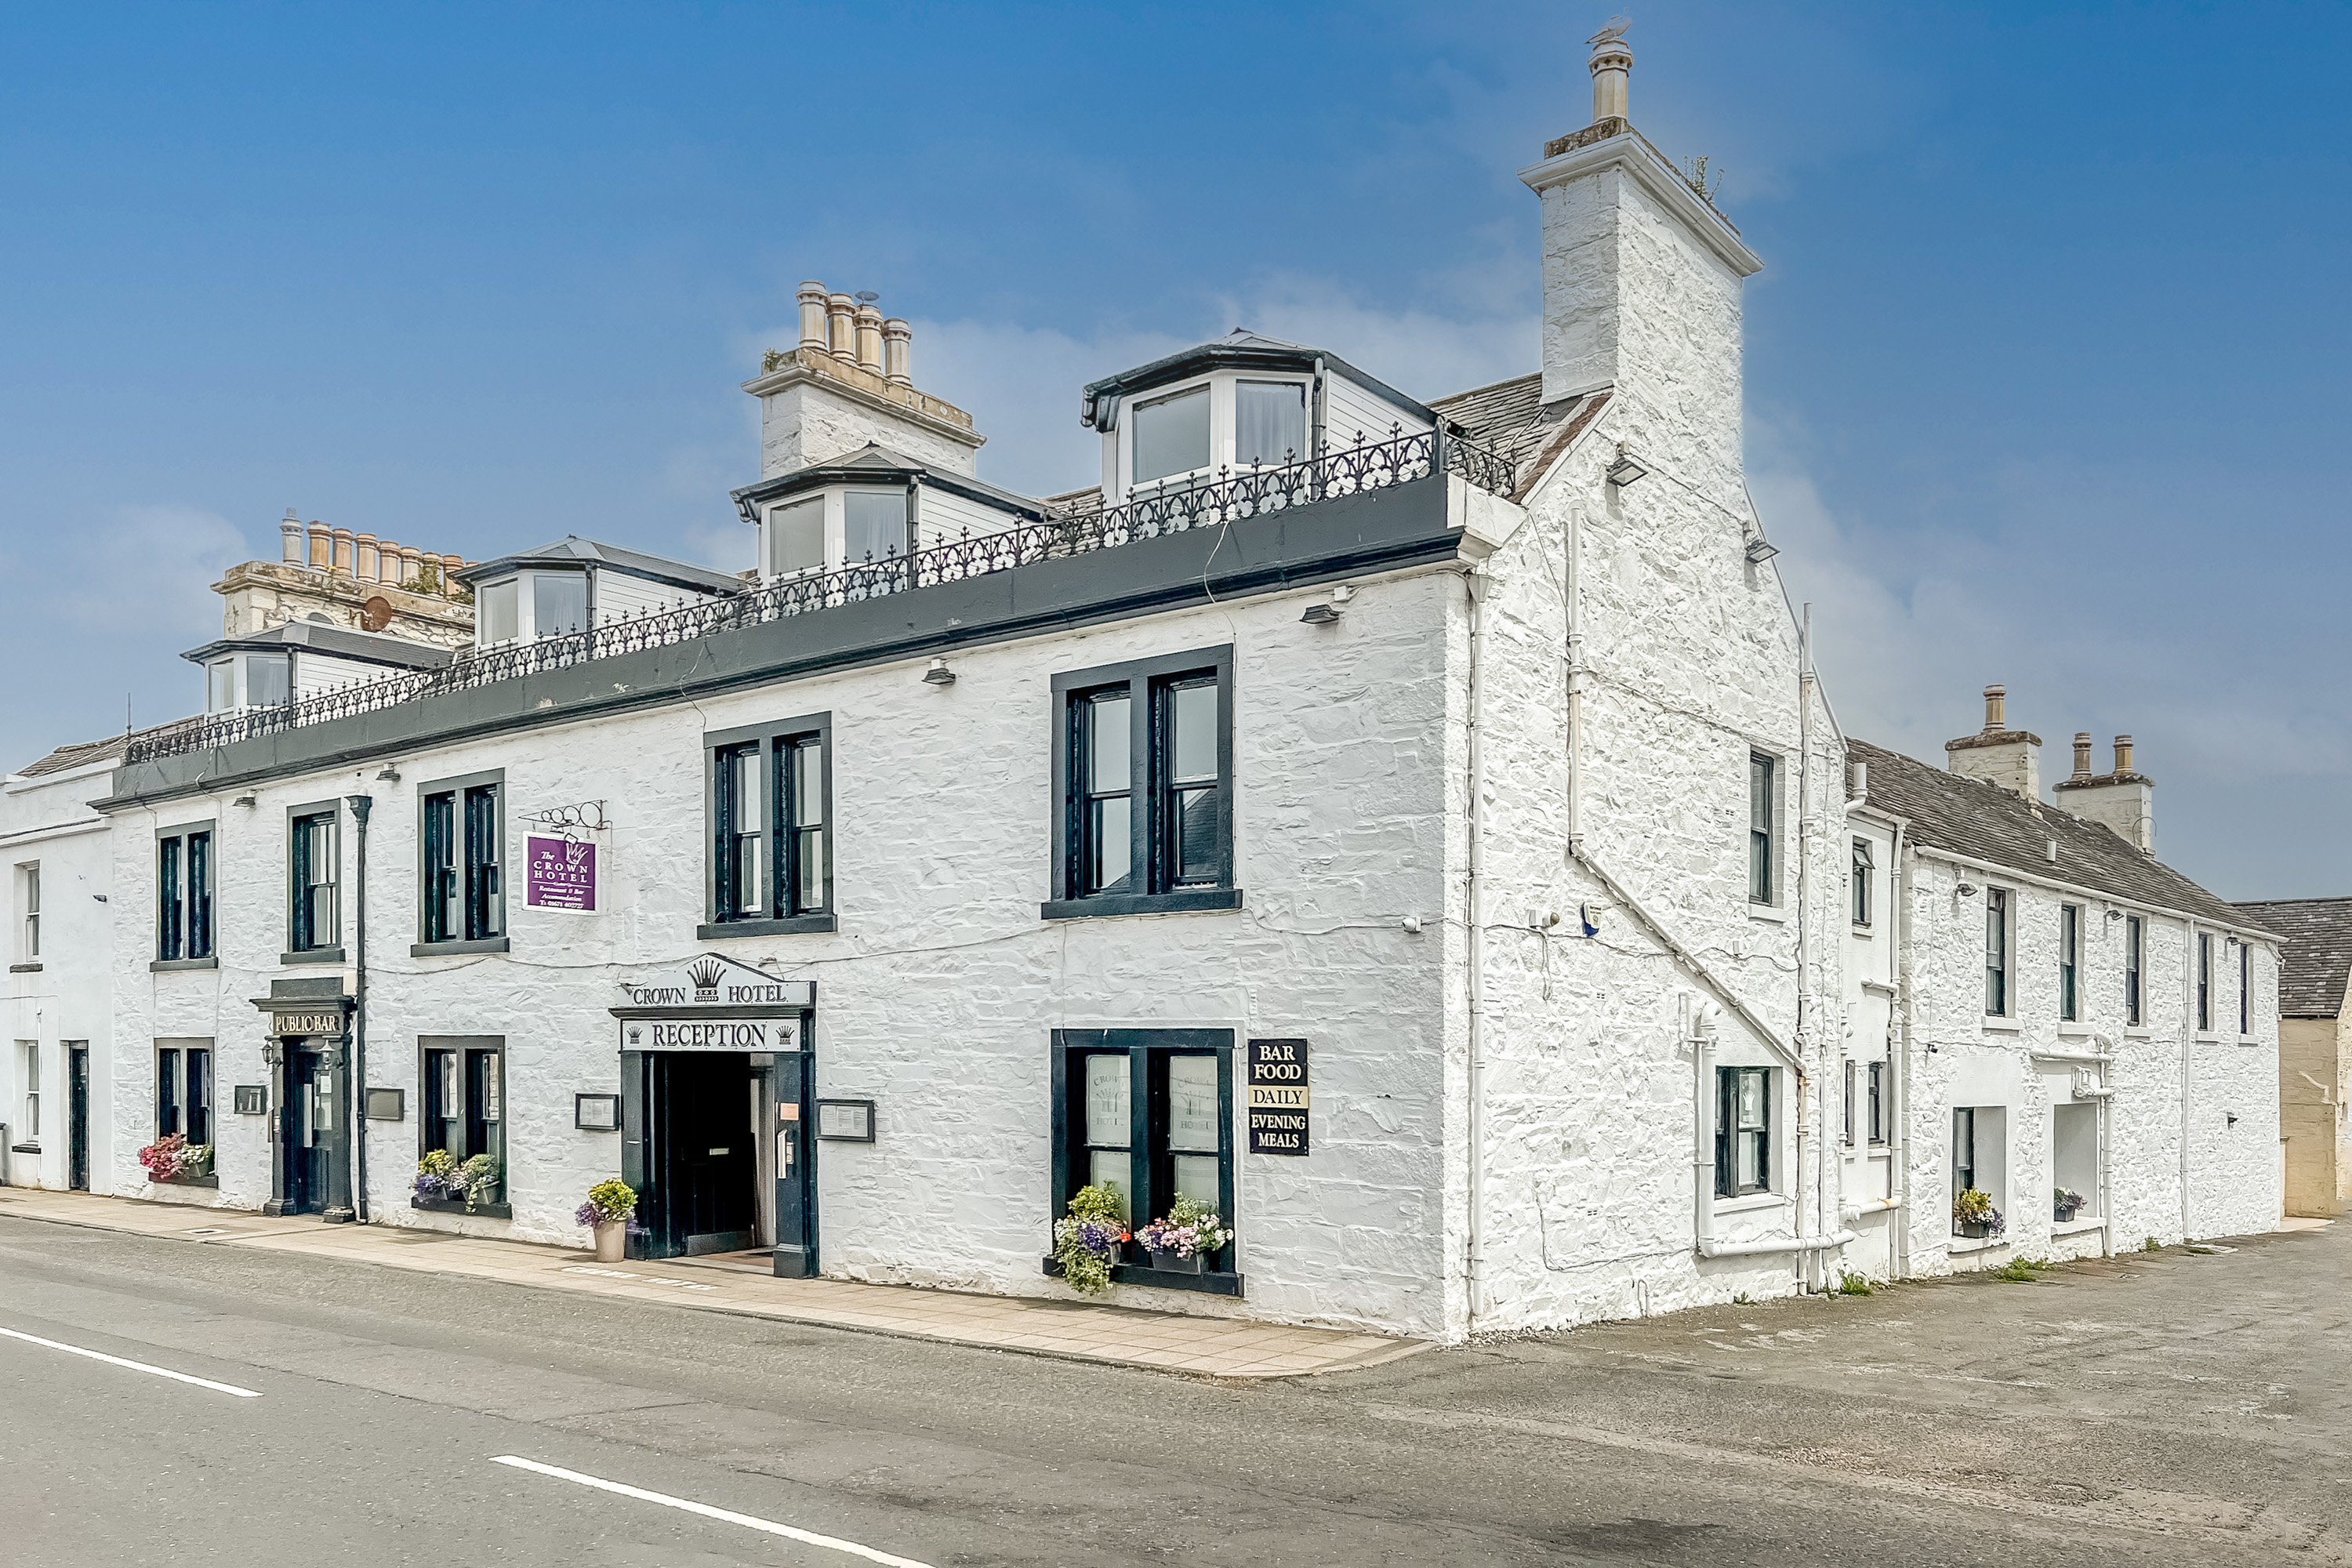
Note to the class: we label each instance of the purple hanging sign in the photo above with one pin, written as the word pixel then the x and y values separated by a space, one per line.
pixel 559 874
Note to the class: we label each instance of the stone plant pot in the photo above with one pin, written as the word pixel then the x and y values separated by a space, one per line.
pixel 1974 1229
pixel 1169 1263
pixel 612 1239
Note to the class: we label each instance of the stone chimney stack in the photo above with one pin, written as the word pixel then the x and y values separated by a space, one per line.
pixel 848 381
pixel 2082 754
pixel 1641 287
pixel 1997 753
pixel 2123 800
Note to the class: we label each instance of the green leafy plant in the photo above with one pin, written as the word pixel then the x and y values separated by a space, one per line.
pixel 1974 1206
pixel 1088 1238
pixel 478 1178
pixel 1741 1298
pixel 2024 1270
pixel 2151 1244
pixel 1852 1284
pixel 609 1202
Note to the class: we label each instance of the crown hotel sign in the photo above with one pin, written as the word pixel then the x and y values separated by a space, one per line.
pixel 713 1003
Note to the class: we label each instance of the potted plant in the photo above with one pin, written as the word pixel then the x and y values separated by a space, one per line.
pixel 174 1159
pixel 2066 1202
pixel 437 1177
pixel 610 1207
pixel 1088 1238
pixel 1184 1241
pixel 1974 1215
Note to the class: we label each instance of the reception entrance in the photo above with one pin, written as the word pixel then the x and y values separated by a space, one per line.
pixel 715 1082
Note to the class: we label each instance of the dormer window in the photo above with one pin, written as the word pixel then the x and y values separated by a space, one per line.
pixel 1221 421
pixel 836 527
pixel 247 680
pixel 1269 423
pixel 496 607
pixel 1171 436
pixel 531 604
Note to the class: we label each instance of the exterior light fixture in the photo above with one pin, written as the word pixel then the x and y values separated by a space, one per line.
pixel 1322 615
pixel 2115 914
pixel 389 775
pixel 1626 468
pixel 938 674
pixel 1966 890
pixel 246 800
pixel 1760 550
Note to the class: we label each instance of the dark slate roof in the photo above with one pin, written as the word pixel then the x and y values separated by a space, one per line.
pixel 1242 349
pixel 82 754
pixel 1985 821
pixel 874 458
pixel 2319 959
pixel 574 551
pixel 1510 417
pixel 341 642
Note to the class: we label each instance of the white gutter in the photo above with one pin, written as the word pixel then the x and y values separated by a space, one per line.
pixel 1475 952
pixel 2100 895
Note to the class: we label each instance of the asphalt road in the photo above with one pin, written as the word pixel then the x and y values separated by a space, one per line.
pixel 2171 1408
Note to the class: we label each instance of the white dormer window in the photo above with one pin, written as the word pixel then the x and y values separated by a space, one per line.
pixel 531 604
pixel 1269 423
pixel 247 680
pixel 1184 435
pixel 1171 436
pixel 838 526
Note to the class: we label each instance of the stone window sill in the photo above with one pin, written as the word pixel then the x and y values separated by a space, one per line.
pixel 797 925
pixel 24 969
pixel 2075 1226
pixel 1752 1202
pixel 1191 901
pixel 1865 932
pixel 2003 1026
pixel 1770 913
pixel 2068 1030
pixel 452 949
pixel 164 965
pixel 313 955
pixel 2207 1039
pixel 2249 1039
pixel 2139 1034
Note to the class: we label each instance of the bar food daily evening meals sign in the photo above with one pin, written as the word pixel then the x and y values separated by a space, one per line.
pixel 1277 1097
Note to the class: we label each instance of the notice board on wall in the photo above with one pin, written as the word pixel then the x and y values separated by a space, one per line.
pixel 1279 1097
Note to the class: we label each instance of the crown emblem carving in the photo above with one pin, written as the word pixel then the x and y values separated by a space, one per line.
pixel 705 972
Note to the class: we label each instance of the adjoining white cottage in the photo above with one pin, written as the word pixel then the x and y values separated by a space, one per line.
pixel 2044 1013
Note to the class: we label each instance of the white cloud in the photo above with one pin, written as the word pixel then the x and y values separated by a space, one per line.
pixel 153 567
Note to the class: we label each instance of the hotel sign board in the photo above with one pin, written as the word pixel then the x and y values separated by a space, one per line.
pixel 559 874
pixel 1279 1097
pixel 713 1003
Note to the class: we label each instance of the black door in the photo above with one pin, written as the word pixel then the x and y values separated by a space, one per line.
pixel 705 1165
pixel 302 1134
pixel 78 1118
pixel 795 1254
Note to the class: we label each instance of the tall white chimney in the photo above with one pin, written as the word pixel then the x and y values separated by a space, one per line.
pixel 2123 799
pixel 1613 65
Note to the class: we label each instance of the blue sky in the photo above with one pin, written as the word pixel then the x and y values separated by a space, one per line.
pixel 2044 369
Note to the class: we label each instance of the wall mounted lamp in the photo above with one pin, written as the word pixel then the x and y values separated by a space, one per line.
pixel 1321 615
pixel 2115 914
pixel 389 775
pixel 938 674
pixel 1760 549
pixel 1966 890
pixel 1626 468
pixel 246 800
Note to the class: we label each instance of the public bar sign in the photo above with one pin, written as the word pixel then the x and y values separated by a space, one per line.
pixel 559 874
pixel 1277 1097
pixel 292 1023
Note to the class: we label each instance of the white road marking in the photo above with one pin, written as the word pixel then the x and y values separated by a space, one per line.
pixel 136 1365
pixel 806 1537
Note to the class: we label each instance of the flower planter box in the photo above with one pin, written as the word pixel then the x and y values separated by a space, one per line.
pixel 1169 1263
pixel 193 1179
pixel 1208 1283
pixel 457 1205
pixel 2066 1216
pixel 1974 1229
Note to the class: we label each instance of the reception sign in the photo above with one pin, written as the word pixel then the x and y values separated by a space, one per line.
pixel 559 874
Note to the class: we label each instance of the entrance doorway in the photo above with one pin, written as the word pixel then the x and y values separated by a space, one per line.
pixel 303 1134
pixel 703 1160
pixel 78 1116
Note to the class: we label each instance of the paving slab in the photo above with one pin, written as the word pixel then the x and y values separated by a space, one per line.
pixel 1220 1347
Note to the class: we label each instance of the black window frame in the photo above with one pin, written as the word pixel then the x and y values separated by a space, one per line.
pixel 1151 1163
pixel 2245 987
pixel 1727 1129
pixel 1997 1002
pixel 1763 828
pixel 186 876
pixel 485 1104
pixel 2070 963
pixel 1865 863
pixel 783 853
pixel 461 865
pixel 302 946
pixel 1150 685
pixel 2134 952
pixel 183 1090
pixel 1852 1083
pixel 1877 1104
pixel 1964 1151
pixel 2204 982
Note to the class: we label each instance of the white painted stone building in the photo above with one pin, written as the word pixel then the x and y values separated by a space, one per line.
pixel 968 847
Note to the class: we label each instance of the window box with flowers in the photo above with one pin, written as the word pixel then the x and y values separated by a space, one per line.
pixel 173 1161
pixel 1974 1216
pixel 447 1185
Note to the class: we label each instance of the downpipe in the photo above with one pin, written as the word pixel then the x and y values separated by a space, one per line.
pixel 1474 1263
pixel 361 804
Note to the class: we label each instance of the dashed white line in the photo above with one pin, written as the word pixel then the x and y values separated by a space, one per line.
pixel 136 1365
pixel 768 1526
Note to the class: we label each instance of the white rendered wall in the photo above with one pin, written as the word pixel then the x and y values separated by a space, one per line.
pixel 47 819
pixel 811 422
pixel 936 996
pixel 620 596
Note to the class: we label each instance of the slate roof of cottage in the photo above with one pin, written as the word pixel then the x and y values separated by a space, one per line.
pixel 84 753
pixel 1967 816
pixel 572 549
pixel 2318 958
pixel 1511 418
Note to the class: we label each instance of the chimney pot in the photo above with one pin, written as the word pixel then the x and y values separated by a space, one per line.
pixel 322 545
pixel 869 338
pixel 811 302
pixel 1613 63
pixel 841 328
pixel 1996 706
pixel 898 352
pixel 2081 753
pixel 2123 753
pixel 342 563
pixel 289 541
pixel 363 558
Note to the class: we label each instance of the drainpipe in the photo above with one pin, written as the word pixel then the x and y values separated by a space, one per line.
pixel 1702 1043
pixel 1817 1269
pixel 359 804
pixel 1475 952
pixel 2188 1036
pixel 1899 889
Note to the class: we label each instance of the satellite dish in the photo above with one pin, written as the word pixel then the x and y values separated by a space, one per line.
pixel 375 615
pixel 867 296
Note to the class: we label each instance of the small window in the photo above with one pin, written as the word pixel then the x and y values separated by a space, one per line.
pixel 183 894
pixel 1147 1112
pixel 268 681
pixel 1964 1148
pixel 184 1091
pixel 771 798
pixel 1743 1131
pixel 796 537
pixel 1878 1102
pixel 2204 983
pixel 1171 436
pixel 464 1082
pixel 315 925
pixel 28 1059
pixel 1269 423
pixel 558 602
pixel 873 526
pixel 500 608
pixel 2245 987
pixel 2069 943
pixel 462 877
pixel 28 912
pixel 1759 829
pixel 1144 762
pixel 1863 866
pixel 1996 953
pixel 220 686
pixel 1853 1081
pixel 2133 932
